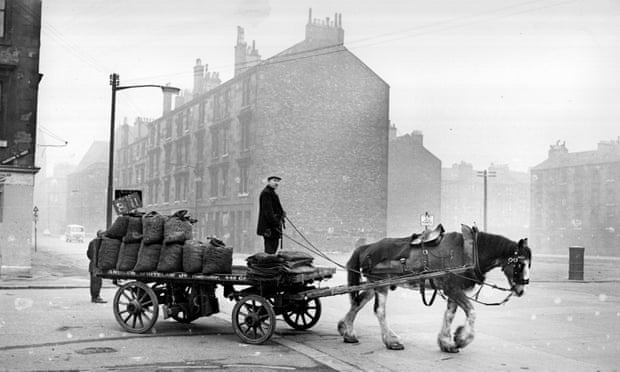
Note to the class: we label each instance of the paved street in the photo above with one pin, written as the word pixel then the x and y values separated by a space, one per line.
pixel 558 325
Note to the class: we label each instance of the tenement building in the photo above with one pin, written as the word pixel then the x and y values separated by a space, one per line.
pixel 576 200
pixel 462 199
pixel 414 184
pixel 20 28
pixel 314 114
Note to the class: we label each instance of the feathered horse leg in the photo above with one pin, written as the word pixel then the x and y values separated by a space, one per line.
pixel 345 325
pixel 464 334
pixel 390 339
pixel 444 339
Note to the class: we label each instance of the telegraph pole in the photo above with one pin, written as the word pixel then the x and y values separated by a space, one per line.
pixel 485 174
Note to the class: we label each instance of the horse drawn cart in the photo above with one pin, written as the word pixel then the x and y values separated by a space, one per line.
pixel 186 297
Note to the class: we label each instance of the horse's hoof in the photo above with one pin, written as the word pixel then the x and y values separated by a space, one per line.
pixel 462 339
pixel 395 346
pixel 350 339
pixel 448 348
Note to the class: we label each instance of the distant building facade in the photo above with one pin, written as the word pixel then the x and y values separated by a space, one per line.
pixel 86 190
pixel 576 200
pixel 313 114
pixel 462 199
pixel 51 198
pixel 20 28
pixel 414 184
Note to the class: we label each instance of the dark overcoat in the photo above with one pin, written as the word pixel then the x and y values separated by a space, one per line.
pixel 92 251
pixel 270 214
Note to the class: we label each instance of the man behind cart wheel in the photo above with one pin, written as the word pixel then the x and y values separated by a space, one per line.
pixel 270 215
pixel 95 281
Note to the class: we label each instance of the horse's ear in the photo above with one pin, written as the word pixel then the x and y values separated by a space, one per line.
pixel 468 233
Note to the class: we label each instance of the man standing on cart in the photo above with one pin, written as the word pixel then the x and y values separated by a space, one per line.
pixel 270 215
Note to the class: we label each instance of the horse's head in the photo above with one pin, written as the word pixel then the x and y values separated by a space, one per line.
pixel 517 268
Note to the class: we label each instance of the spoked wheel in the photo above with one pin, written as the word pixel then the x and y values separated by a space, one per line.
pixel 303 314
pixel 253 319
pixel 190 311
pixel 136 307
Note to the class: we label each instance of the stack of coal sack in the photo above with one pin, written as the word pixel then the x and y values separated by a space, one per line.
pixel 151 241
pixel 275 266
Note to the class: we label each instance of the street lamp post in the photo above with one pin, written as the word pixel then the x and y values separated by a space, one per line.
pixel 114 82
pixel 35 218
pixel 485 174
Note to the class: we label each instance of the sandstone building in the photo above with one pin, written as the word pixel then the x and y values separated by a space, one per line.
pixel 575 200
pixel 313 114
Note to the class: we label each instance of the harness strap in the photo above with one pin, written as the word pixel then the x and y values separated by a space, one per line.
pixel 423 292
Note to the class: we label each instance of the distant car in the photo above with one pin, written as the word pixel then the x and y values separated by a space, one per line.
pixel 74 233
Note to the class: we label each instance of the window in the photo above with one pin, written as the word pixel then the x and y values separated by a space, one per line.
pixel 245 134
pixel 1 202
pixel 167 154
pixel 198 180
pixel 216 107
pixel 201 112
pixel 243 179
pixel 224 181
pixel 200 146
pixel 180 150
pixel 166 190
pixel 179 124
pixel 148 198
pixel 245 92
pixel 186 119
pixel 213 177
pixel 168 132
pixel 2 17
pixel 215 146
pixel 224 141
pixel 178 186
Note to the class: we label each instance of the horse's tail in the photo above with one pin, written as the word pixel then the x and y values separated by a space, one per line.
pixel 353 270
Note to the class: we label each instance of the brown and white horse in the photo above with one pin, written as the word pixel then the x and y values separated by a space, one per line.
pixel 490 251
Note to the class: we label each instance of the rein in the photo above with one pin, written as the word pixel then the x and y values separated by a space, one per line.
pixel 477 270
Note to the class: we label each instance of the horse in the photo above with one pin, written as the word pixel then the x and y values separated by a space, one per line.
pixel 487 251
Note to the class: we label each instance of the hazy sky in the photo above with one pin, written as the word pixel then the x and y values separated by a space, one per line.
pixel 487 81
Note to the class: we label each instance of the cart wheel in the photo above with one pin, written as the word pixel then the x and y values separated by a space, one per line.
pixel 253 319
pixel 136 307
pixel 303 314
pixel 189 310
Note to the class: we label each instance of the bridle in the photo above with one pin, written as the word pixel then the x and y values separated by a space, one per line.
pixel 518 262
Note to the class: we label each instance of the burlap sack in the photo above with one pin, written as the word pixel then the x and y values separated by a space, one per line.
pixel 177 228
pixel 108 253
pixel 127 256
pixel 134 230
pixel 171 258
pixel 153 228
pixel 217 260
pixel 118 228
pixel 148 257
pixel 193 251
